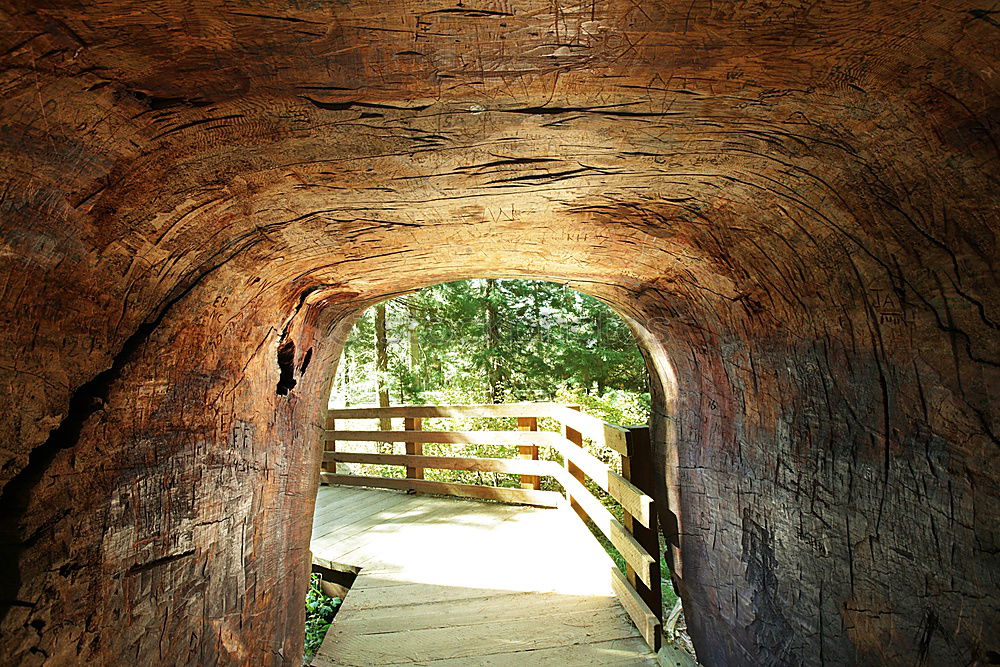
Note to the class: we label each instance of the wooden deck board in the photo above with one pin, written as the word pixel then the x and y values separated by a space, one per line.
pixel 352 518
pixel 447 582
pixel 341 517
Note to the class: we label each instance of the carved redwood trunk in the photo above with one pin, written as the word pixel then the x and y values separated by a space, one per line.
pixel 795 206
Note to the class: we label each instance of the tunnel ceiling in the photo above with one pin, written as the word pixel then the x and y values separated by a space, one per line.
pixel 796 201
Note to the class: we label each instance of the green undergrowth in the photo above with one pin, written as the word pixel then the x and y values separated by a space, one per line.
pixel 320 610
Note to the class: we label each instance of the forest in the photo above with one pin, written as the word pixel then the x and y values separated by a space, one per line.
pixel 495 341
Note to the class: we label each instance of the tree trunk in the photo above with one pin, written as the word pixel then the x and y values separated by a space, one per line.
pixel 382 370
pixel 492 342
pixel 804 238
pixel 414 344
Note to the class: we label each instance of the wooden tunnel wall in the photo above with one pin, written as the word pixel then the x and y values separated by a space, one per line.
pixel 796 203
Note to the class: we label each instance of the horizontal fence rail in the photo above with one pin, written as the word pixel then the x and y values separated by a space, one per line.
pixel 451 437
pixel 514 466
pixel 635 538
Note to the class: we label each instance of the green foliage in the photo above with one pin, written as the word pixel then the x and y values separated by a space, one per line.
pixel 615 406
pixel 486 340
pixel 320 610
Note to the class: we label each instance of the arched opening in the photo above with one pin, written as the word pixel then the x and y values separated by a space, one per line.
pixel 317 314
pixel 483 342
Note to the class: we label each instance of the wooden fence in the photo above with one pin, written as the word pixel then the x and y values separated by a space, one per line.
pixel 635 538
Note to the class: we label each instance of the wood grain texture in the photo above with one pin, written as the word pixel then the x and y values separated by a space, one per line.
pixel 794 204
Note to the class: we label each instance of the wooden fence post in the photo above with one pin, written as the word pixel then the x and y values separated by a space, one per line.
pixel 638 469
pixel 576 438
pixel 329 424
pixel 414 448
pixel 529 452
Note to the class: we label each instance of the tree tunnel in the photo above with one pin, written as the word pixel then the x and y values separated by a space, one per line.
pixel 795 206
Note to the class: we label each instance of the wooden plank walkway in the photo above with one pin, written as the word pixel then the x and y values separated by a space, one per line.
pixel 446 581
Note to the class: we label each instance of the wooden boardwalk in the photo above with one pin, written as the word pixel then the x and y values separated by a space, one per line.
pixel 445 581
